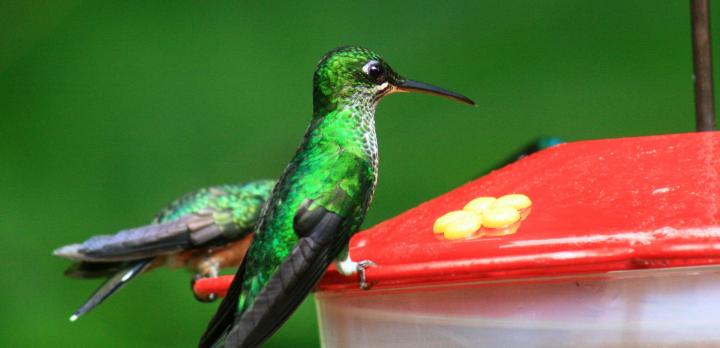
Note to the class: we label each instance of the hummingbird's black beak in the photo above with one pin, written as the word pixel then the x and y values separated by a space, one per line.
pixel 415 86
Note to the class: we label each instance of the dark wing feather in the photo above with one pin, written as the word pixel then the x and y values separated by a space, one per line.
pixel 295 278
pixel 152 240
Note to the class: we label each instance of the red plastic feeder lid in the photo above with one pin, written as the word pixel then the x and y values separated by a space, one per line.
pixel 598 206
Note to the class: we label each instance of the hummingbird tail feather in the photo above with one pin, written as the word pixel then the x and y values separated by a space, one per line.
pixel 111 285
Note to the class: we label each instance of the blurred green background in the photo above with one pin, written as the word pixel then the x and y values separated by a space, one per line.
pixel 109 110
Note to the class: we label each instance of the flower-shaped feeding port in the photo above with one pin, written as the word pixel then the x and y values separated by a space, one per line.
pixel 484 217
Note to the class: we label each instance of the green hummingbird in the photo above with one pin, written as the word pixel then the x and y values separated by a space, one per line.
pixel 319 202
pixel 205 230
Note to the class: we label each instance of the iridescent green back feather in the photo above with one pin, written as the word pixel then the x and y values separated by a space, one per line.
pixel 243 200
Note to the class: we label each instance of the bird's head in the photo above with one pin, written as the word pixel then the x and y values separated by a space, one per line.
pixel 357 76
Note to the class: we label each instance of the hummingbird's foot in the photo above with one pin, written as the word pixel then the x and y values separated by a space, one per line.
pixel 348 267
pixel 201 298
pixel 361 266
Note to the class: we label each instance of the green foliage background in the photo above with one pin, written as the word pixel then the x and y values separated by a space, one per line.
pixel 110 109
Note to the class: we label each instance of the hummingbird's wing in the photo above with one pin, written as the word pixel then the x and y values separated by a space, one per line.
pixel 209 226
pixel 320 240
pixel 208 217
pixel 126 254
pixel 294 279
pixel 205 217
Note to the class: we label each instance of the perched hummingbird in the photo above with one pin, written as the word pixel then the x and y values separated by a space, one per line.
pixel 319 202
pixel 205 231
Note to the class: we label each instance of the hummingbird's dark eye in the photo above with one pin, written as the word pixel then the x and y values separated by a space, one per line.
pixel 375 71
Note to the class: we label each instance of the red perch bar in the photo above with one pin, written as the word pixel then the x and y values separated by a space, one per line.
pixel 598 206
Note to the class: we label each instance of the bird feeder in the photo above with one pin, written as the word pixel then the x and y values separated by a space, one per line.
pixel 621 247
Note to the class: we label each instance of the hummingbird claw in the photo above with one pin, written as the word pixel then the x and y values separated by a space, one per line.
pixel 361 266
pixel 348 267
pixel 201 298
